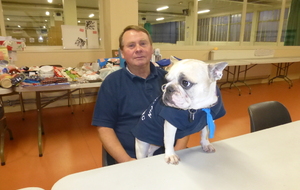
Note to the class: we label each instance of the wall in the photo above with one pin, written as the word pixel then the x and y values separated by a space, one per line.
pixel 203 53
pixel 33 56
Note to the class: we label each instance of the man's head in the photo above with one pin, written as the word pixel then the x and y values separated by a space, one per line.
pixel 135 28
pixel 136 45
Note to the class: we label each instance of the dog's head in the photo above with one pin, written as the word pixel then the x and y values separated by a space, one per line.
pixel 192 84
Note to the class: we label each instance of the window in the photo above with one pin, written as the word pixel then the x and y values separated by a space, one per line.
pixel 248 27
pixel 203 29
pixel 219 28
pixel 224 29
pixel 169 32
pixel 181 35
pixel 40 24
pixel 268 23
pixel 37 25
pixel 235 27
pixel 286 14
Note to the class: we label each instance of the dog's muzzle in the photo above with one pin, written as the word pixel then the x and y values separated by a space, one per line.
pixel 163 87
pixel 168 90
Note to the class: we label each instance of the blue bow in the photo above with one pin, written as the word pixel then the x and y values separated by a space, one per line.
pixel 210 123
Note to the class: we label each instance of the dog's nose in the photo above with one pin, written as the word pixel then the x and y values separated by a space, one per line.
pixel 170 89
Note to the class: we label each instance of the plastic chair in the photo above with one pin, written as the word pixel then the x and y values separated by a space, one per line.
pixel 107 159
pixel 268 114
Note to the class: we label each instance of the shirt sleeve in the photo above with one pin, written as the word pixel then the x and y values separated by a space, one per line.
pixel 106 105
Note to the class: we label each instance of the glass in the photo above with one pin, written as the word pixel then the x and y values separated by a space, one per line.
pixel 40 24
pixel 37 25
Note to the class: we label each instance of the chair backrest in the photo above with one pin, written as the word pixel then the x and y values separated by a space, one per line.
pixel 268 114
pixel 104 157
pixel 107 159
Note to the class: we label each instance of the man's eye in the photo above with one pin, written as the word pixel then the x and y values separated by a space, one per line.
pixel 186 83
pixel 130 45
pixel 143 43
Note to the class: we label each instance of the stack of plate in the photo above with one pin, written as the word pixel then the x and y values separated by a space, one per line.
pixel 46 72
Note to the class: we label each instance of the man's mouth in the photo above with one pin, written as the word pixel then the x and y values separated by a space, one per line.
pixel 141 57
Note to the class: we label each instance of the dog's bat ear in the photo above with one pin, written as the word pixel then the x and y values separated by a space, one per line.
pixel 216 70
pixel 173 60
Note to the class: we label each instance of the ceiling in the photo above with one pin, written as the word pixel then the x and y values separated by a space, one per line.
pixel 147 8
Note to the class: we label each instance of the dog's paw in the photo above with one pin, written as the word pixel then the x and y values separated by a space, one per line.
pixel 172 159
pixel 209 148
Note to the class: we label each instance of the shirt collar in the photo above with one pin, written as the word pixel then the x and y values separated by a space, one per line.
pixel 153 72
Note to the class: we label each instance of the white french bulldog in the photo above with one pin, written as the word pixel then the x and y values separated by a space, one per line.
pixel 190 102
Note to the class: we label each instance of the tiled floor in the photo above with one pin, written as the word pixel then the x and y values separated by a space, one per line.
pixel 72 145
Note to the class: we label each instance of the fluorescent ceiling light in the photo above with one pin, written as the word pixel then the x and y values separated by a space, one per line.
pixel 91 15
pixel 7 18
pixel 203 11
pixel 158 19
pixel 47 13
pixel 49 1
pixel 162 8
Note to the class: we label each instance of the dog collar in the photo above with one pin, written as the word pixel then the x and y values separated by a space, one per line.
pixel 192 114
pixel 209 120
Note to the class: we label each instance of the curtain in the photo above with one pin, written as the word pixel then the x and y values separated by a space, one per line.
pixel 292 37
pixel 148 27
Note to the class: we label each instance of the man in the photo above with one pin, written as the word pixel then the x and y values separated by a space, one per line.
pixel 126 93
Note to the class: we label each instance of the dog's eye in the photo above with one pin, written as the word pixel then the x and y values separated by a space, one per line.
pixel 185 83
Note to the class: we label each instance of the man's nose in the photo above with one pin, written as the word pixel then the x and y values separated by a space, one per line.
pixel 138 48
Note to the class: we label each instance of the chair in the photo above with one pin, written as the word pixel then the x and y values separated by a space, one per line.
pixel 107 159
pixel 268 114
pixel 3 129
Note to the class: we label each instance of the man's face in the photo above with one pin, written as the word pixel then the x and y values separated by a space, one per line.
pixel 137 50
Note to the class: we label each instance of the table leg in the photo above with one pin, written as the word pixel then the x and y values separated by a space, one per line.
pixel 40 123
pixel 235 77
pixel 2 131
pixel 244 78
pixel 22 104
pixel 282 70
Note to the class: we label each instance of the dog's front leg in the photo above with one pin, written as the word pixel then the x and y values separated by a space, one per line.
pixel 169 139
pixel 206 146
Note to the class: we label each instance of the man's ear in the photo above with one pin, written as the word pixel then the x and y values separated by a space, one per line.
pixel 216 70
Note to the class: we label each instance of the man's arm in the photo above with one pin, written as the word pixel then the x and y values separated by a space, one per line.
pixel 181 143
pixel 112 145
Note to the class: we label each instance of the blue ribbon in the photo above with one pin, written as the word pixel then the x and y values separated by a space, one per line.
pixel 210 123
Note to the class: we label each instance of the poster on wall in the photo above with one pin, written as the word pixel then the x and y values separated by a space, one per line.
pixel 92 34
pixel 74 37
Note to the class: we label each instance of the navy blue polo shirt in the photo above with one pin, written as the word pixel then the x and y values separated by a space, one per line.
pixel 122 99
pixel 150 128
